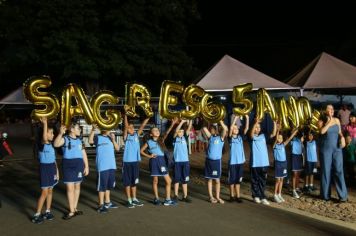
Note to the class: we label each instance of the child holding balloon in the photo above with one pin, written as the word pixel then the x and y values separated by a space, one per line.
pixel 213 160
pixel 49 174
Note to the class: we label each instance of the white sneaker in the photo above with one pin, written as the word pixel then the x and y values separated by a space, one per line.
pixel 257 200
pixel 277 199
pixel 281 198
pixel 265 202
pixel 295 194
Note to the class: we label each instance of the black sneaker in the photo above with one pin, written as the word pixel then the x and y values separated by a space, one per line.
pixel 69 216
pixel 130 205
pixel 48 216
pixel 187 199
pixel 175 198
pixel 156 202
pixel 111 205
pixel 232 199
pixel 136 202
pixel 78 212
pixel 102 209
pixel 313 188
pixel 239 200
pixel 37 219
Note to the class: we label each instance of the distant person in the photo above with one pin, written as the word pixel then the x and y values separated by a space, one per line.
pixel 331 159
pixel 131 161
pixel 49 174
pixel 350 159
pixel 344 114
pixel 311 163
pixel 351 127
pixel 213 160
pixel 297 162
pixel 106 146
pixel 237 158
pixel 75 165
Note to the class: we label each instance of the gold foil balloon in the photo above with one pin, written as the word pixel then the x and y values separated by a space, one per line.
pixel 304 110
pixel 137 95
pixel 264 104
pixel 166 99
pixel 314 121
pixel 293 112
pixel 238 98
pixel 191 97
pixel 212 111
pixel 282 112
pixel 113 117
pixel 81 108
pixel 48 100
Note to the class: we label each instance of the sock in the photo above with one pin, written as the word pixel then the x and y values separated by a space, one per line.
pixel 311 185
pixel 48 211
pixel 129 200
pixel 306 186
pixel 37 214
pixel 134 199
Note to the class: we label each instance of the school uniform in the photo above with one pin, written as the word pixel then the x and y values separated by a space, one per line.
pixel 259 165
pixel 131 159
pixel 105 163
pixel 297 154
pixel 311 158
pixel 181 161
pixel 72 164
pixel 48 167
pixel 237 160
pixel 157 165
pixel 213 158
pixel 280 161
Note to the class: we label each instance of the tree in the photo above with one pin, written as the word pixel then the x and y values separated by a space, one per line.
pixel 95 42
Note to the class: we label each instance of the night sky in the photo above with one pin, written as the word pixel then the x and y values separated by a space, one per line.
pixel 277 40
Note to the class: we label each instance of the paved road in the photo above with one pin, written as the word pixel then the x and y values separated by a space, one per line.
pixel 19 191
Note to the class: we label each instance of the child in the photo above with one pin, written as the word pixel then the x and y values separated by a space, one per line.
pixel 131 160
pixel 106 146
pixel 280 163
pixel 297 162
pixel 237 159
pixel 259 162
pixel 48 173
pixel 213 160
pixel 75 165
pixel 349 155
pixel 157 163
pixel 310 164
pixel 181 161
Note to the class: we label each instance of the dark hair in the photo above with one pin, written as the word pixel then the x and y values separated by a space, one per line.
pixel 160 140
pixel 353 114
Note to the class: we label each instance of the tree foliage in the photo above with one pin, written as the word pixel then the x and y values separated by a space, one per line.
pixel 106 41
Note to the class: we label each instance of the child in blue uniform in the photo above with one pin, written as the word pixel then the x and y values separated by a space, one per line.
pixel 74 165
pixel 131 160
pixel 48 173
pixel 280 163
pixel 311 163
pixel 297 162
pixel 259 162
pixel 157 163
pixel 237 159
pixel 106 146
pixel 181 160
pixel 213 160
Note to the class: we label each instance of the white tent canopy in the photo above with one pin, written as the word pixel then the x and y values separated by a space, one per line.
pixel 229 72
pixel 15 97
pixel 325 72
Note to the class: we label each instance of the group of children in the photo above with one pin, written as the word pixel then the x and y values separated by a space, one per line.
pixel 75 163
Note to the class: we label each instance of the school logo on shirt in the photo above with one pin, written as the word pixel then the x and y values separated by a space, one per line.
pixel 137 181
pixel 80 146
pixel 136 140
pixel 216 141
pixel 80 175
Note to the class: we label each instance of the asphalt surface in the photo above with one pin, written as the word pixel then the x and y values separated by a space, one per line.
pixel 19 191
